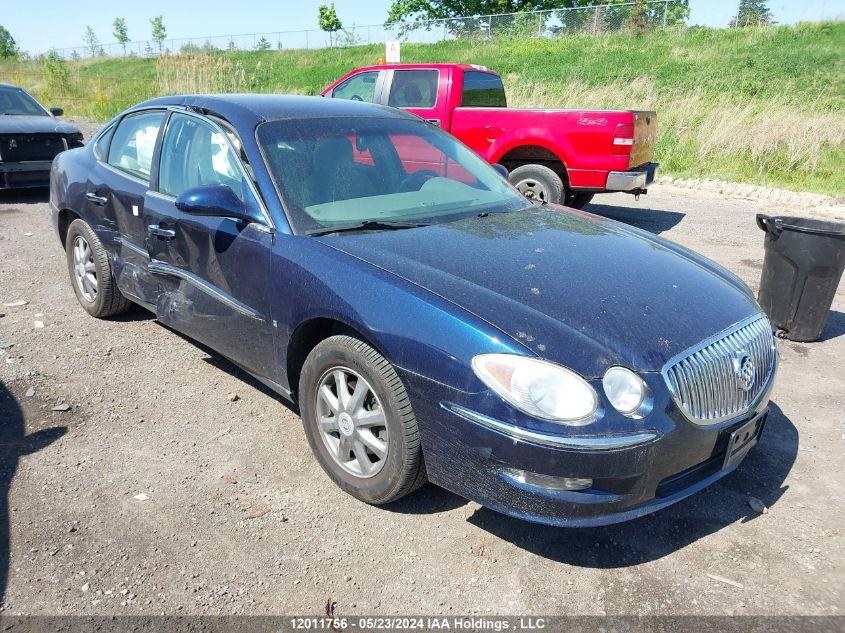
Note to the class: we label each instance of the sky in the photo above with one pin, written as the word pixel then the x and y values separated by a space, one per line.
pixel 40 26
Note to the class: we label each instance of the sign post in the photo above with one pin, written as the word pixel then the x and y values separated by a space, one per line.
pixel 391 52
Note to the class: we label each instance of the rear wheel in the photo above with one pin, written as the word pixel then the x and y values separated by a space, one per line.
pixel 359 421
pixel 91 273
pixel 577 200
pixel 537 182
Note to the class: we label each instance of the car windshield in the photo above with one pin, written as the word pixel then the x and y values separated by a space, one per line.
pixel 16 101
pixel 341 172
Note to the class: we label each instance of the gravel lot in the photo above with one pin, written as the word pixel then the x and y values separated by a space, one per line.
pixel 237 517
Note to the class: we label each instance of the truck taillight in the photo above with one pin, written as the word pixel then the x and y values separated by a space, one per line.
pixel 623 138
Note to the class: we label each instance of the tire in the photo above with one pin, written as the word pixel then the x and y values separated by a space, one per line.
pixel 102 299
pixel 537 182
pixel 401 469
pixel 577 200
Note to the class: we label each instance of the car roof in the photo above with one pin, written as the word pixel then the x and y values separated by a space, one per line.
pixel 423 66
pixel 255 108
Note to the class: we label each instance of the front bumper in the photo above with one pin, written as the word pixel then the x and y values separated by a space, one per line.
pixel 634 473
pixel 632 181
pixel 20 175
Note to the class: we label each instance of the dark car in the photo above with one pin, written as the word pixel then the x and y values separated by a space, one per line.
pixel 430 322
pixel 30 137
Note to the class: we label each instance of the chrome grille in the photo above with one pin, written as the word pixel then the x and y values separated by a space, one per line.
pixel 705 381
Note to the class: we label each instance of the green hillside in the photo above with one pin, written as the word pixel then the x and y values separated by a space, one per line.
pixel 763 105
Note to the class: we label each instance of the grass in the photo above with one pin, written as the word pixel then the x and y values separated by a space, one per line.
pixel 764 106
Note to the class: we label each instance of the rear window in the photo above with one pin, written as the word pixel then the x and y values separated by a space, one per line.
pixel 483 90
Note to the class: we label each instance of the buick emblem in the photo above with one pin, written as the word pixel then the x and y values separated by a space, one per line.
pixel 746 373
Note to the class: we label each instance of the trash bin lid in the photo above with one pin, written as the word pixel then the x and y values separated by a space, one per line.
pixel 777 224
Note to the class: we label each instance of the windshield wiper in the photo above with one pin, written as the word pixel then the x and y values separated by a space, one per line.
pixel 368 225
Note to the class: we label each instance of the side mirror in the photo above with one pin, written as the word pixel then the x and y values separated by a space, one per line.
pixel 57 111
pixel 215 201
pixel 503 171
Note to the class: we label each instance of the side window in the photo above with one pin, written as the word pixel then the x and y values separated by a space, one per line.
pixel 102 144
pixel 360 87
pixel 134 140
pixel 413 89
pixel 483 90
pixel 194 153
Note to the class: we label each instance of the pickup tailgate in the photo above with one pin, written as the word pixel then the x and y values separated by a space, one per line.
pixel 645 131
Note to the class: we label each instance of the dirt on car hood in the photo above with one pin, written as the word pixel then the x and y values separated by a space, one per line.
pixel 573 287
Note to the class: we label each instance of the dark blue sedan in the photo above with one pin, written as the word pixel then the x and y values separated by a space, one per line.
pixel 430 322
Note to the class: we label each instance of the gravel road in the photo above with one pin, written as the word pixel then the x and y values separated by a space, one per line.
pixel 176 484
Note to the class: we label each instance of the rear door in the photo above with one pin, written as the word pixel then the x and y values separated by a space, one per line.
pixel 118 185
pixel 213 272
pixel 416 90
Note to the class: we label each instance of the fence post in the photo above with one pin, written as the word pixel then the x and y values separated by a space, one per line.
pixel 444 30
pixel 665 13
pixel 596 22
pixel 306 40
pixel 100 96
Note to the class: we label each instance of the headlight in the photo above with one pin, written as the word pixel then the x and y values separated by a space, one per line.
pixel 627 392
pixel 538 388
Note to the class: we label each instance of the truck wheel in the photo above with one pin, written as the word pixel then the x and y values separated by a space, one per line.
pixel 359 421
pixel 91 274
pixel 537 182
pixel 577 200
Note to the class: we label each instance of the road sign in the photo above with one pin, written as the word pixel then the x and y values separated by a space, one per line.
pixel 391 52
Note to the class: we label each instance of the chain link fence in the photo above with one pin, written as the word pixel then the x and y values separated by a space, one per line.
pixel 594 20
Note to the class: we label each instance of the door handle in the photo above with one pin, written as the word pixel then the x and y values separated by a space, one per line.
pixel 155 230
pixel 98 200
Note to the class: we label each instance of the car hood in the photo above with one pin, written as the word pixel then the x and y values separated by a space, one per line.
pixel 572 287
pixel 18 124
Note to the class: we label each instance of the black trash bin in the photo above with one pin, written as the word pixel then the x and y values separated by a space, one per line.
pixel 803 265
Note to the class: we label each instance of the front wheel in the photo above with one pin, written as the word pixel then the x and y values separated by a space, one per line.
pixel 359 422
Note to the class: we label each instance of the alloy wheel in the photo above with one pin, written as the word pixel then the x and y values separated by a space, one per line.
pixel 84 269
pixel 352 422
pixel 532 189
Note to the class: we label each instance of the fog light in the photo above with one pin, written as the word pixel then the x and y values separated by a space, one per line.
pixel 549 482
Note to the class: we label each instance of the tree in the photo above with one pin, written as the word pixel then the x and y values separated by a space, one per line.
pixel 8 46
pixel 92 42
pixel 328 20
pixel 159 31
pixel 639 17
pixel 419 13
pixel 752 13
pixel 120 32
pixel 263 44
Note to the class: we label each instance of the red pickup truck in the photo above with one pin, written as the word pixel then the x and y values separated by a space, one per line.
pixel 563 156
